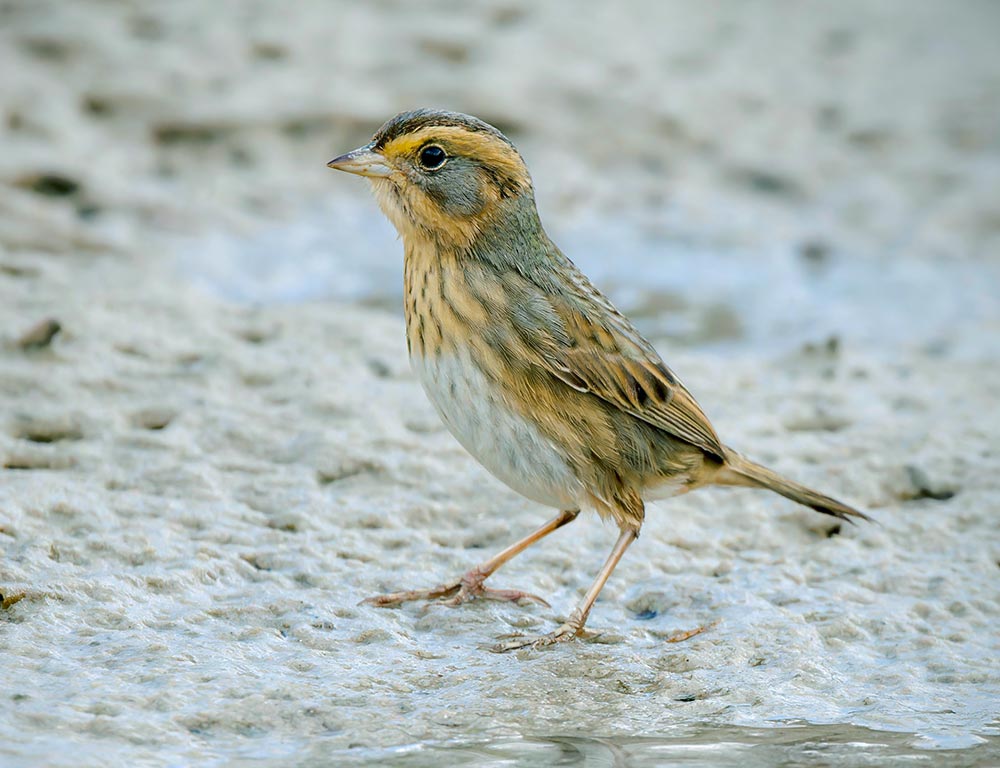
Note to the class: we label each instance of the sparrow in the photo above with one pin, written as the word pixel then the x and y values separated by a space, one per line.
pixel 531 367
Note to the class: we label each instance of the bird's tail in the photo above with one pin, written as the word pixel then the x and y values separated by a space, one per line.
pixel 739 470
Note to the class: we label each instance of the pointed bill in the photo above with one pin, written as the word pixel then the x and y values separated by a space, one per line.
pixel 364 161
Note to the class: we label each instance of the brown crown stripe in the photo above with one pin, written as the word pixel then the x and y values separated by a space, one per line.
pixel 409 122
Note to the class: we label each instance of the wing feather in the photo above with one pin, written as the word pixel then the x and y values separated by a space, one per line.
pixel 590 346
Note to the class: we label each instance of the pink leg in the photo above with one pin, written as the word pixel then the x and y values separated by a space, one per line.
pixel 470 586
pixel 578 618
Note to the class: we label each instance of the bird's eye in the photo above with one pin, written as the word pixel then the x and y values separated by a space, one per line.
pixel 432 157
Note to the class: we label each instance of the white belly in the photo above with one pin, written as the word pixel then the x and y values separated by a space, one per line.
pixel 512 449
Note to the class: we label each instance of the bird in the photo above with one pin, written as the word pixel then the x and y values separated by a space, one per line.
pixel 534 370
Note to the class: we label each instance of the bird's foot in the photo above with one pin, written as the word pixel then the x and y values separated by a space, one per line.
pixel 479 592
pixel 462 590
pixel 398 598
pixel 564 632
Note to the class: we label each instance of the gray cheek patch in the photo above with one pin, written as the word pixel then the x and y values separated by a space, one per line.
pixel 456 188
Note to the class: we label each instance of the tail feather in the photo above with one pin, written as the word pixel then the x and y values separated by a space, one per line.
pixel 741 471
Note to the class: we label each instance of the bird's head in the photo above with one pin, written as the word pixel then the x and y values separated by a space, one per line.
pixel 442 176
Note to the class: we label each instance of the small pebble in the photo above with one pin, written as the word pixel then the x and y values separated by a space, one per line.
pixel 39 335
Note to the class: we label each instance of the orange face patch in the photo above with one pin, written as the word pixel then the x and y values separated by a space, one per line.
pixel 490 151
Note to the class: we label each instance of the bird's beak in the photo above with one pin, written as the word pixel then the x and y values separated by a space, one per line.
pixel 364 161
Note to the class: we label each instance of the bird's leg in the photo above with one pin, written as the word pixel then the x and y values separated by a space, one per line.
pixel 573 626
pixel 470 586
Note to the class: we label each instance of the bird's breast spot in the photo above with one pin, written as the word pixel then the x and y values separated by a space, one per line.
pixel 510 446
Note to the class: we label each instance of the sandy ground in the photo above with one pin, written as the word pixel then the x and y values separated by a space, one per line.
pixel 196 491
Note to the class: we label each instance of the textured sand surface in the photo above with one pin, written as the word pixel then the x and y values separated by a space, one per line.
pixel 198 482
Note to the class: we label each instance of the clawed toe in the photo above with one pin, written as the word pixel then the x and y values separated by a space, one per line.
pixel 398 598
pixel 465 595
pixel 453 594
pixel 565 632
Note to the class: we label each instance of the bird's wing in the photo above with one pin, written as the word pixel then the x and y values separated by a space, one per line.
pixel 589 345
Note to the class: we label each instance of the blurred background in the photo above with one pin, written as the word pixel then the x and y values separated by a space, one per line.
pixel 729 172
pixel 223 449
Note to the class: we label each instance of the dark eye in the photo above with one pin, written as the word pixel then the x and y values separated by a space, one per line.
pixel 432 157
